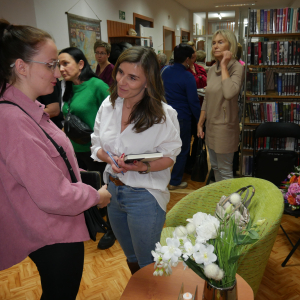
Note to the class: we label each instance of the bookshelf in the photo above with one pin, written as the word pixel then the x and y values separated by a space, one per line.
pixel 272 78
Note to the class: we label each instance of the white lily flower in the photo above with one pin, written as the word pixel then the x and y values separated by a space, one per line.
pixel 191 228
pixel 205 255
pixel 158 247
pixel 171 251
pixel 180 232
pixel 211 270
pixel 161 272
pixel 235 199
pixel 198 219
pixel 155 273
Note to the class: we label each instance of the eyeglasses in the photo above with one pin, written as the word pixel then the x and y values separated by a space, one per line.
pixel 52 65
pixel 100 53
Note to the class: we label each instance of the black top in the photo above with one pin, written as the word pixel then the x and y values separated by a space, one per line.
pixel 52 98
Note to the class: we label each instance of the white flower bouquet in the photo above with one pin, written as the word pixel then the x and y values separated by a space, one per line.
pixel 210 247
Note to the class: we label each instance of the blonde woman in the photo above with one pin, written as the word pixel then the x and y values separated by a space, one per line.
pixel 220 105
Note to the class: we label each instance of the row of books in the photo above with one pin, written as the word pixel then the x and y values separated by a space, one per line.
pixel 272 21
pixel 273 53
pixel 285 84
pixel 247 165
pixel 272 112
pixel 271 143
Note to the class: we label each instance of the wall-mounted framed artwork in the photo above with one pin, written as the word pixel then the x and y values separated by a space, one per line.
pixel 83 33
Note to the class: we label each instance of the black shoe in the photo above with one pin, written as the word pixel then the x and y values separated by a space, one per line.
pixel 107 240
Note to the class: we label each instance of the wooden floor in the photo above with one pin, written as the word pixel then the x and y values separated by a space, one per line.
pixel 106 273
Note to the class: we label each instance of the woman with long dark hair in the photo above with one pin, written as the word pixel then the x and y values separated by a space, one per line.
pixel 84 94
pixel 41 213
pixel 135 119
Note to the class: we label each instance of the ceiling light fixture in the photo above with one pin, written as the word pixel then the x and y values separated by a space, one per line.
pixel 219 15
pixel 242 4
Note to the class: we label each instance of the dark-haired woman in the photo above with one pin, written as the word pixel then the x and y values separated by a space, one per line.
pixel 41 213
pixel 134 120
pixel 84 94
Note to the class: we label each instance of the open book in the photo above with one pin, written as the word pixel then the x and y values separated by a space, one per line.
pixel 142 157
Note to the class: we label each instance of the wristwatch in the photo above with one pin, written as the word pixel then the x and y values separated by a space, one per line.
pixel 148 168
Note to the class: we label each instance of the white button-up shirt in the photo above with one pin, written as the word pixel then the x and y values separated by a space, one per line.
pixel 163 138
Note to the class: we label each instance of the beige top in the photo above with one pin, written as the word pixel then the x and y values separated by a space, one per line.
pixel 221 107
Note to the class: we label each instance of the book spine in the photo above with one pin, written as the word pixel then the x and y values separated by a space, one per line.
pixel 274 20
pixel 294 52
pixel 276 112
pixel 290 52
pixel 259 83
pixel 251 21
pixel 256 53
pixel 275 81
pixel 275 52
pixel 264 84
pixel 249 54
pixel 262 14
pixel 280 20
pixel 254 20
pixel 269 53
pixel 268 21
pixel 279 84
pixel 272 54
pixel 283 85
pixel 297 52
pixel 258 21
pixel 281 53
pixel 280 111
pixel 259 54
pixel 278 52
pixel 286 51
pixel 271 21
pixel 265 21
pixel 297 84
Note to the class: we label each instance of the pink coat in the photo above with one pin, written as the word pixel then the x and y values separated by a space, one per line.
pixel 39 203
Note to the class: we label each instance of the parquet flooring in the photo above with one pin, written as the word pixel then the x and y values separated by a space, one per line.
pixel 106 273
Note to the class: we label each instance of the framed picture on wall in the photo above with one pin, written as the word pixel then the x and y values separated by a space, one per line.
pixel 83 33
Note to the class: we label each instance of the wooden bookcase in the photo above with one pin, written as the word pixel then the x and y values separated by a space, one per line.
pixel 271 95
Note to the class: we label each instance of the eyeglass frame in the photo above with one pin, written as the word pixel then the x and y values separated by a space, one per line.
pixel 101 53
pixel 53 64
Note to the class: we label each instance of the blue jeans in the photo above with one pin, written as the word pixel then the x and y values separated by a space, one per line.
pixel 185 135
pixel 136 220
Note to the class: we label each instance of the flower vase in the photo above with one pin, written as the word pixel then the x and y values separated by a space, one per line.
pixel 211 292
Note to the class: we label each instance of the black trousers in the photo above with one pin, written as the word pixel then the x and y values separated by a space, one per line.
pixel 60 267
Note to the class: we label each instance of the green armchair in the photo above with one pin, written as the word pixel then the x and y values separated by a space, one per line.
pixel 267 203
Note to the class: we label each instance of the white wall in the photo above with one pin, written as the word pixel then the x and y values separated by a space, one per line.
pixel 50 15
pixel 18 11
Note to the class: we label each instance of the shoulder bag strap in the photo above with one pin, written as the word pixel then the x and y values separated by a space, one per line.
pixel 60 149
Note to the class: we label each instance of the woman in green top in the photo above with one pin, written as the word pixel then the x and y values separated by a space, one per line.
pixel 84 93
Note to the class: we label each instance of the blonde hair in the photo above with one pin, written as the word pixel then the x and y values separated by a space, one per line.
pixel 230 37
pixel 201 55
pixel 191 44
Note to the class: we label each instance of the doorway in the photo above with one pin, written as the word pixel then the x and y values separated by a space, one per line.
pixel 168 41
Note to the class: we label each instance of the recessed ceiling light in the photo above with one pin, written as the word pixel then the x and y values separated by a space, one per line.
pixel 242 4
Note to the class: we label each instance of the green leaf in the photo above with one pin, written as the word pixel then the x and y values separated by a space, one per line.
pixel 253 234
pixel 245 240
pixel 196 268
pixel 233 259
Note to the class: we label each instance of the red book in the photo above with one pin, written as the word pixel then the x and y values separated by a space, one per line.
pixel 260 62
pixel 283 20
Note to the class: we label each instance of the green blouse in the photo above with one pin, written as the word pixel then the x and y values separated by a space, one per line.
pixel 87 98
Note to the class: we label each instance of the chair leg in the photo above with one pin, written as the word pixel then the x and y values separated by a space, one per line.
pixel 291 253
pixel 287 236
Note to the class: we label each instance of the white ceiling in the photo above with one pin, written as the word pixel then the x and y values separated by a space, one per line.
pixel 201 5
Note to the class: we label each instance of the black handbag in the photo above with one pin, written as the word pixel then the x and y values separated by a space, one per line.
pixel 76 129
pixel 93 218
pixel 200 168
